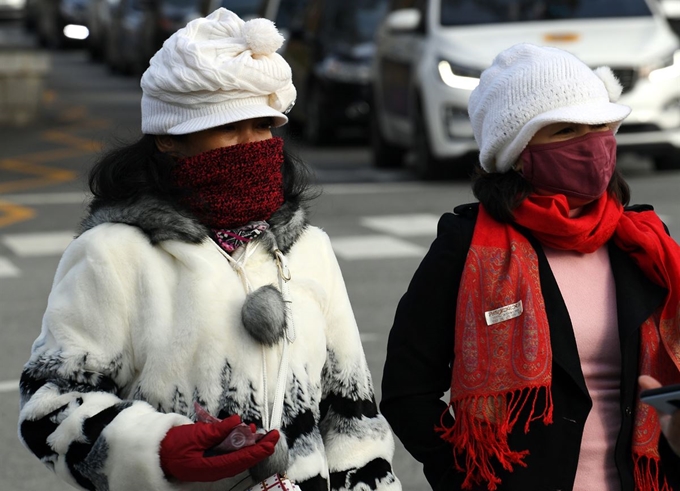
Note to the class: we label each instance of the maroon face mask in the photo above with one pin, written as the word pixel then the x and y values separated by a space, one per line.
pixel 231 186
pixel 580 168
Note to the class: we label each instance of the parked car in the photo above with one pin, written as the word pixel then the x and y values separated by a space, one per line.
pixel 138 28
pixel 282 13
pixel 430 54
pixel 329 48
pixel 124 41
pixel 99 15
pixel 61 23
pixel 164 18
pixel 245 9
pixel 12 9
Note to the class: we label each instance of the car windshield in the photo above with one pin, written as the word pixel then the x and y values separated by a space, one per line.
pixel 356 20
pixel 468 12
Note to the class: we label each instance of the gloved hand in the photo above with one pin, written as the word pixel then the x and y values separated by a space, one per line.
pixel 183 450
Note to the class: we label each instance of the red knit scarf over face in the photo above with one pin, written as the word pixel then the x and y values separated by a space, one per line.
pixel 231 186
pixel 501 369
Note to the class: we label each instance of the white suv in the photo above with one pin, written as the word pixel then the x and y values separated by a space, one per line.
pixel 430 54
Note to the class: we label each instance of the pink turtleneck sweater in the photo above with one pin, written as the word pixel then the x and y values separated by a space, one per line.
pixel 587 286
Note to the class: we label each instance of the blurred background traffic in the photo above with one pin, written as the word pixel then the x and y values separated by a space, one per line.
pixel 380 118
pixel 397 73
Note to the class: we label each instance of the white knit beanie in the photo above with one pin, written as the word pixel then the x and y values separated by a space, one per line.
pixel 216 70
pixel 528 87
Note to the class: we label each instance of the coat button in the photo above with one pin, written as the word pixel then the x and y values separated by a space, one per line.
pixel 628 411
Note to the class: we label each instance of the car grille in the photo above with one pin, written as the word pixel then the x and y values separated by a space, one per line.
pixel 627 77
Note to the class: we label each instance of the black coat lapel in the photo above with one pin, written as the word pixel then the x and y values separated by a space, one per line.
pixel 636 299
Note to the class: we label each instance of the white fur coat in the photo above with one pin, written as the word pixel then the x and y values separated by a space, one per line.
pixel 143 321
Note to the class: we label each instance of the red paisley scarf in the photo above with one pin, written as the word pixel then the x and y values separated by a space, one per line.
pixel 501 369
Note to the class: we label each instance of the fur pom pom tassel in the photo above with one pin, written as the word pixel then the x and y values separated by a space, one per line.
pixel 611 83
pixel 262 36
pixel 277 462
pixel 264 315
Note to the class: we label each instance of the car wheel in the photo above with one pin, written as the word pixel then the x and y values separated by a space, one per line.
pixel 669 161
pixel 385 155
pixel 427 166
pixel 317 129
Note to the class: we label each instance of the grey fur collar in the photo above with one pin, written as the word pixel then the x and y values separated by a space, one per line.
pixel 160 220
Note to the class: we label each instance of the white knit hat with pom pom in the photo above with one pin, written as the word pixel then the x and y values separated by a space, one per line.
pixel 216 70
pixel 528 87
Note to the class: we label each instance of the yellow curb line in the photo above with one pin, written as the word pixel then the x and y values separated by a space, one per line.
pixel 72 141
pixel 42 175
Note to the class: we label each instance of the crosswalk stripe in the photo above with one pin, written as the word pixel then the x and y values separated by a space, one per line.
pixel 374 247
pixel 38 244
pixel 37 199
pixel 369 337
pixel 413 225
pixel 373 188
pixel 8 269
pixel 351 248
pixel 9 386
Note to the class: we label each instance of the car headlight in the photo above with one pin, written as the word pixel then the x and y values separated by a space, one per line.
pixel 458 77
pixel 666 69
pixel 75 31
pixel 345 71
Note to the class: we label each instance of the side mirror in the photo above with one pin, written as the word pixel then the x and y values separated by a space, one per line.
pixel 403 20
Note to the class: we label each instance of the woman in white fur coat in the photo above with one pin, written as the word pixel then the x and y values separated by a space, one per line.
pixel 196 279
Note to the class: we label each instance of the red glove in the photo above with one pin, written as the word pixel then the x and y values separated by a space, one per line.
pixel 183 451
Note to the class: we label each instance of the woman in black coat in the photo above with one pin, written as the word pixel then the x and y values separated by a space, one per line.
pixel 539 308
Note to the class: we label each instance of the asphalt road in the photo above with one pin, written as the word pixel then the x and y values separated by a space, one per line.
pixel 380 222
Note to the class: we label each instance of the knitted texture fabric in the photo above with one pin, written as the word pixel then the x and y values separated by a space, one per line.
pixel 231 186
pixel 216 70
pixel 528 87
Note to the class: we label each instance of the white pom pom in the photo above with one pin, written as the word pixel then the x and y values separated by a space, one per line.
pixel 262 36
pixel 611 83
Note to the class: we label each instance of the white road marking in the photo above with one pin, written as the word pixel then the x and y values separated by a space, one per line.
pixel 38 244
pixel 8 269
pixel 36 199
pixel 413 225
pixel 9 386
pixel 369 337
pixel 374 247
pixel 372 188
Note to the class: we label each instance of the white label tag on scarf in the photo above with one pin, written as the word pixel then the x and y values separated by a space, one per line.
pixel 504 313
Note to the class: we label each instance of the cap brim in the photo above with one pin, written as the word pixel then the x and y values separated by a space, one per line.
pixel 608 113
pixel 231 116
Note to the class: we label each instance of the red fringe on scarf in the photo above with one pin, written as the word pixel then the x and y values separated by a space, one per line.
pixel 481 431
pixel 647 474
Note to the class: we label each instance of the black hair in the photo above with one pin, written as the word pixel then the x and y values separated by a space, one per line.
pixel 141 169
pixel 130 171
pixel 501 193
